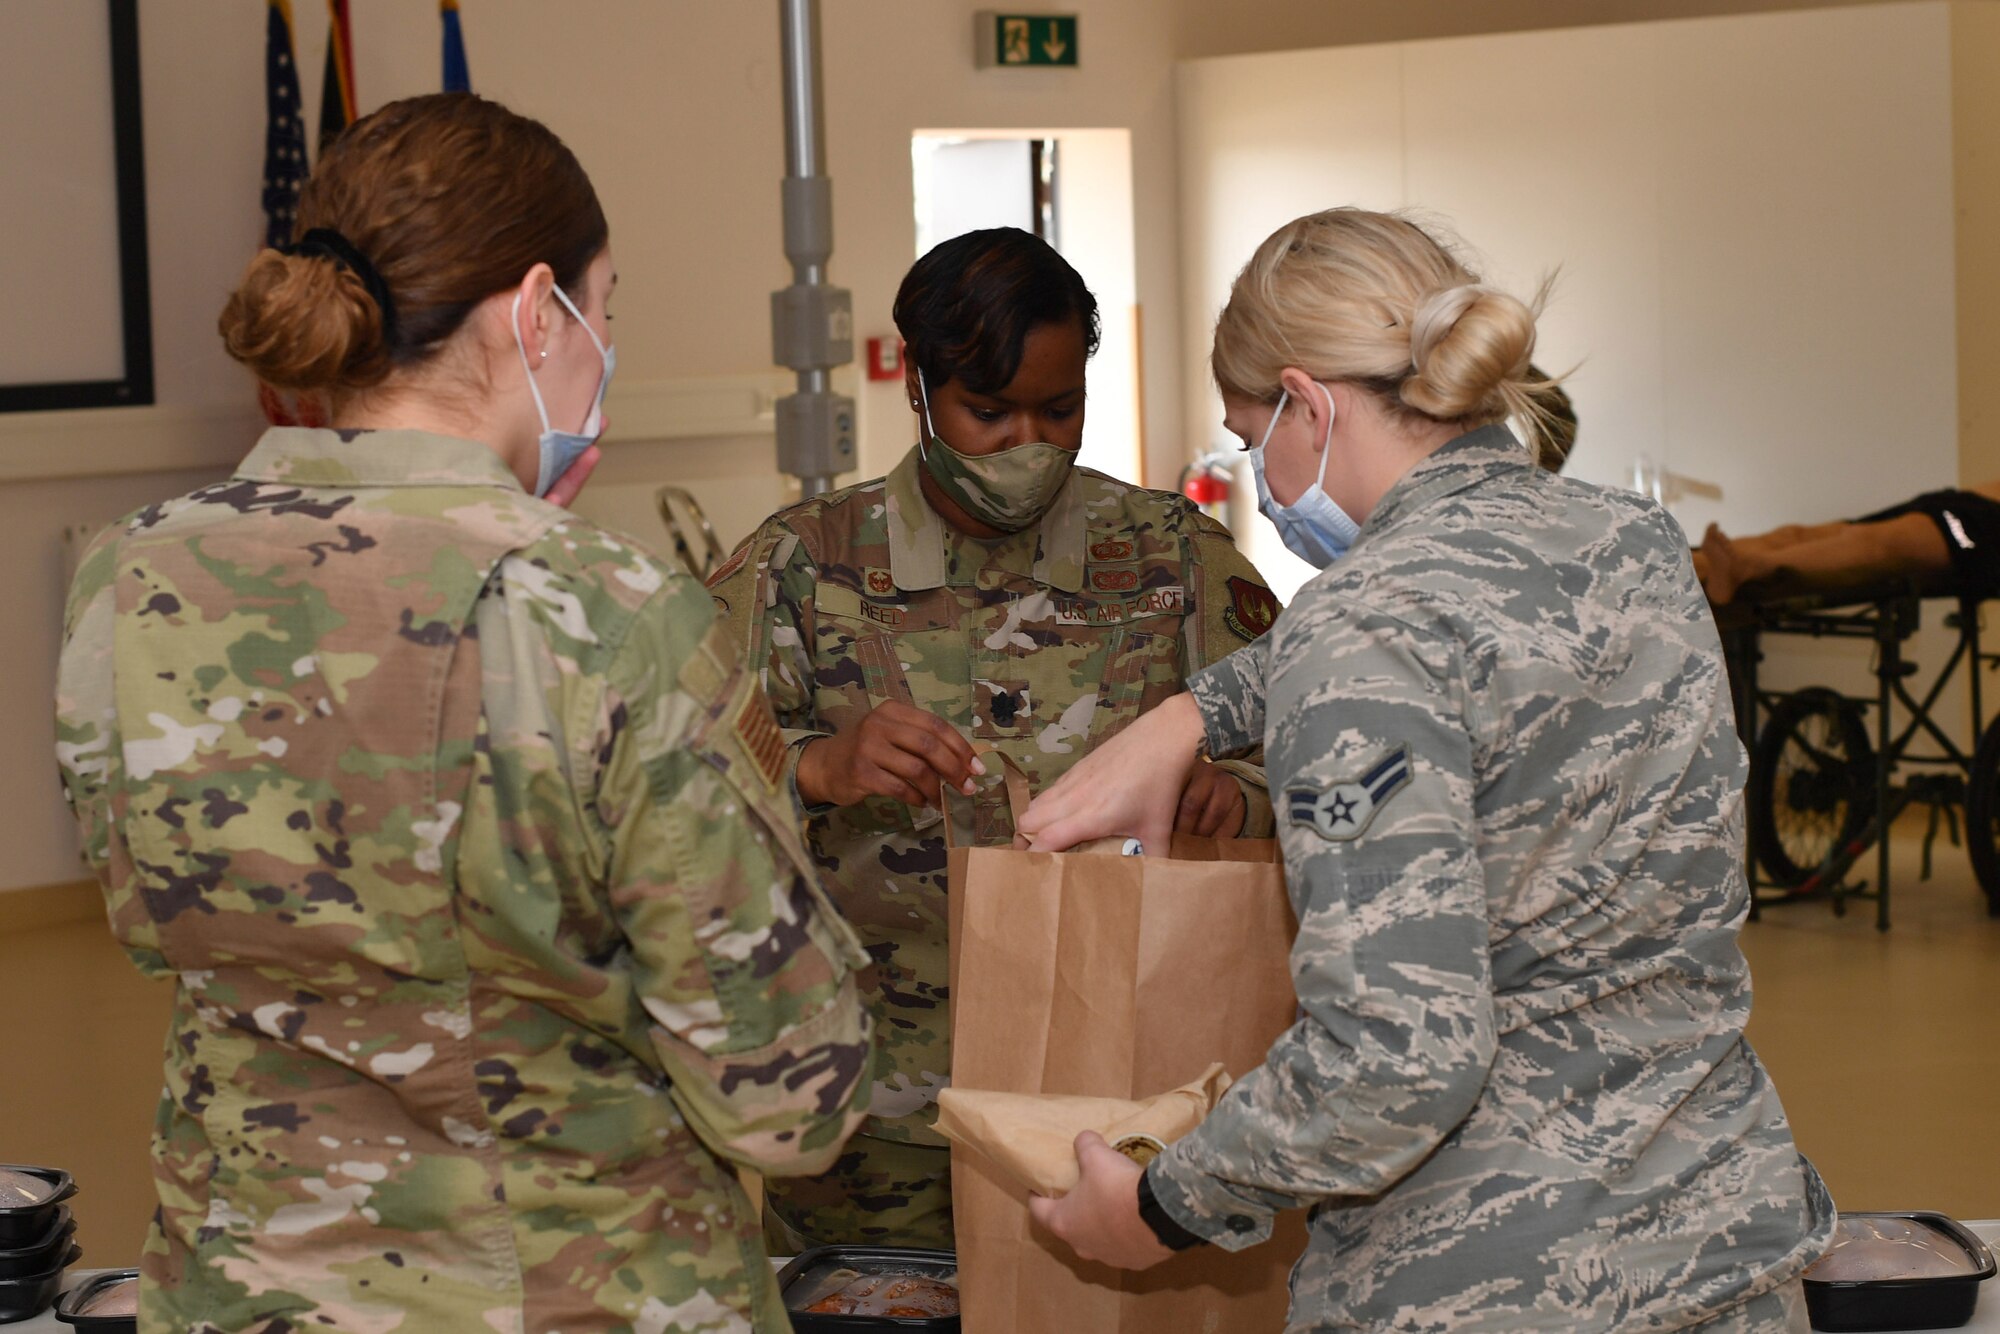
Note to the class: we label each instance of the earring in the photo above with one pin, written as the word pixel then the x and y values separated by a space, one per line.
pixel 545 354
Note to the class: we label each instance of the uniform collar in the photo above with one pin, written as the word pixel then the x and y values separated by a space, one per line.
pixel 922 544
pixel 1490 451
pixel 309 456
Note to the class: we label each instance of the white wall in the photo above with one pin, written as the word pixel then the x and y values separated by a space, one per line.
pixel 1752 217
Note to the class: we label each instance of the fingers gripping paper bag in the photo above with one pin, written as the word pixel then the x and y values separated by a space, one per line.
pixel 1096 975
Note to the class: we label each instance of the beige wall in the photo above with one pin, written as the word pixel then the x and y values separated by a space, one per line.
pixel 1207 28
pixel 674 109
pixel 1975 119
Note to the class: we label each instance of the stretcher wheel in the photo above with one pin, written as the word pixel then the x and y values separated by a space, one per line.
pixel 1812 784
pixel 1982 816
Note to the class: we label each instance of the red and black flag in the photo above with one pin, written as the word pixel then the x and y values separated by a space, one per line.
pixel 336 100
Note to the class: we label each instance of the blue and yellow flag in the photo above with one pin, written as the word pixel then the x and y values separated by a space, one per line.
pixel 457 78
pixel 284 128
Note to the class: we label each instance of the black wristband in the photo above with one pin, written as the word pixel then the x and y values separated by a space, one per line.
pixel 1171 1234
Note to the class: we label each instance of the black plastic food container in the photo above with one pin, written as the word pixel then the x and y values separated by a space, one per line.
pixel 70 1312
pixel 23 1297
pixel 796 1280
pixel 1856 1305
pixel 22 1224
pixel 28 1261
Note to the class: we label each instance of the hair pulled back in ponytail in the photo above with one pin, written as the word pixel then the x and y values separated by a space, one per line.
pixel 450 198
pixel 1373 300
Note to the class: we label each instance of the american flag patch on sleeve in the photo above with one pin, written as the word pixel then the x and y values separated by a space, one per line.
pixel 762 741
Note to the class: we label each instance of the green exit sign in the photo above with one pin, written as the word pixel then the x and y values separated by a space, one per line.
pixel 1026 39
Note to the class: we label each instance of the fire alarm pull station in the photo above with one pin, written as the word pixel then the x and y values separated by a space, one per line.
pixel 885 358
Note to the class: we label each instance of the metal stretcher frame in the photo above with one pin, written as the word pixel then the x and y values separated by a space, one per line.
pixel 1951 779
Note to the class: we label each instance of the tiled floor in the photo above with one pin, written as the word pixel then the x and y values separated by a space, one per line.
pixel 1884 1049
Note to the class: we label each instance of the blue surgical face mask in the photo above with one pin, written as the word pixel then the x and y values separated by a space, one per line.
pixel 1314 528
pixel 562 448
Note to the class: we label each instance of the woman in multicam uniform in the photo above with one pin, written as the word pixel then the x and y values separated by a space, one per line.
pixel 984 590
pixel 1498 732
pixel 453 818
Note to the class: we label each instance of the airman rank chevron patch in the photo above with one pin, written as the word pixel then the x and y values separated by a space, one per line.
pixel 1341 812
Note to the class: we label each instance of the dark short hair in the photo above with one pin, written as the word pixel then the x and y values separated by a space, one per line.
pixel 966 308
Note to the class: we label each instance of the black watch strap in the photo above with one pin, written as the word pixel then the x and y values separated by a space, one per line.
pixel 1171 1234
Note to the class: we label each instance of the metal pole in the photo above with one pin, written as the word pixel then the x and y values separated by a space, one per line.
pixel 812 322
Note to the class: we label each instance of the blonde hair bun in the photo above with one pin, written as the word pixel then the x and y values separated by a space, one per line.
pixel 1466 342
pixel 1373 300
pixel 305 322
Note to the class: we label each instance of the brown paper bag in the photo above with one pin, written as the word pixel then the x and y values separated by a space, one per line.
pixel 1032 1136
pixel 1097 975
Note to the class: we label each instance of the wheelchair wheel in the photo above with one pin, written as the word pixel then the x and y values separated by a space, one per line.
pixel 1812 784
pixel 1982 816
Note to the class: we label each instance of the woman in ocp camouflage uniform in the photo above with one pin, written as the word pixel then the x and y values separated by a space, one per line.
pixel 985 589
pixel 1509 794
pixel 453 818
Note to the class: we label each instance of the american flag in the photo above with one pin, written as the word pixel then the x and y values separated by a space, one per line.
pixel 284 129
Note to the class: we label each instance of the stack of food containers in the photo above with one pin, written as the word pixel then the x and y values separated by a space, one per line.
pixel 37 1238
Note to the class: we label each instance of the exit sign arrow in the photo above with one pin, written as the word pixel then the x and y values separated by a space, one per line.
pixel 1022 40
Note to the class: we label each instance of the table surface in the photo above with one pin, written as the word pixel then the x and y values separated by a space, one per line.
pixel 1985 1319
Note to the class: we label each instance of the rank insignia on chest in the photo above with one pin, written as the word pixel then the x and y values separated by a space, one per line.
pixel 762 741
pixel 1341 812
pixel 1252 608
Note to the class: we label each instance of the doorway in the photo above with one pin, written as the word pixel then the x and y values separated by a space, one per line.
pixel 1072 188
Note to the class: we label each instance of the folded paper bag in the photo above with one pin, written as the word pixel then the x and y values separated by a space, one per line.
pixel 1032 1136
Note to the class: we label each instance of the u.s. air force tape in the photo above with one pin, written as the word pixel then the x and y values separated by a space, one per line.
pixel 1340 811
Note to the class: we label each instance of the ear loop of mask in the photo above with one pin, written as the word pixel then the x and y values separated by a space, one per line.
pixel 1326 446
pixel 521 346
pixel 923 441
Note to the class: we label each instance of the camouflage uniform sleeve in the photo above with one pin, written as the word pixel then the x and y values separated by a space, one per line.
pixel 764 592
pixel 1233 608
pixel 744 966
pixel 1371 755
pixel 89 753
pixel 1230 694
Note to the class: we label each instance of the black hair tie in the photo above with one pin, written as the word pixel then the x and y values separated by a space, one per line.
pixel 330 243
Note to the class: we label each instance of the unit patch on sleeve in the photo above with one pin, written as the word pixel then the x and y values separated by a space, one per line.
pixel 1339 813
pixel 1252 608
pixel 764 743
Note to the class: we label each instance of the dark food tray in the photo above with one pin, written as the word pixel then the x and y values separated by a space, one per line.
pixel 30 1261
pixel 869 1260
pixel 1842 1305
pixel 23 1297
pixel 23 1224
pixel 77 1297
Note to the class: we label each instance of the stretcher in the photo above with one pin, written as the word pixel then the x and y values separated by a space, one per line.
pixel 1831 771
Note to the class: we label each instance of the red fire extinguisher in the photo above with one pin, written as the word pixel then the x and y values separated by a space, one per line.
pixel 1207 480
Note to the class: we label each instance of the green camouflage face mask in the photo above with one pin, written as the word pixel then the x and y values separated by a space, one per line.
pixel 1008 490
